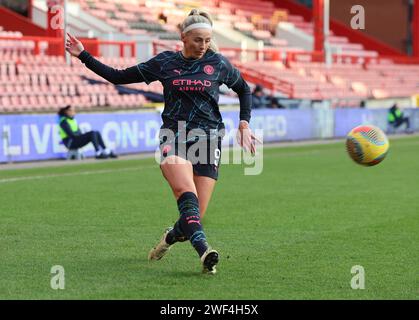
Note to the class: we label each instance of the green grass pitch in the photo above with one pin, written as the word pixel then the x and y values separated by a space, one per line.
pixel 293 232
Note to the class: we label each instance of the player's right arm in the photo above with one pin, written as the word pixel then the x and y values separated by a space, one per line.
pixel 130 75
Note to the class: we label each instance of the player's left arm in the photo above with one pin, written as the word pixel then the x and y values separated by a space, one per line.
pixel 245 97
pixel 245 137
pixel 234 80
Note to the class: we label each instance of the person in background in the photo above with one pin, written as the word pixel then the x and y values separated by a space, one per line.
pixel 396 118
pixel 275 104
pixel 259 99
pixel 73 138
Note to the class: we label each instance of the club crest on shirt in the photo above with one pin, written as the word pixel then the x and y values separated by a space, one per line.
pixel 208 69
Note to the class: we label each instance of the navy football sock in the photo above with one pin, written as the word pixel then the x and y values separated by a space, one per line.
pixel 176 234
pixel 189 223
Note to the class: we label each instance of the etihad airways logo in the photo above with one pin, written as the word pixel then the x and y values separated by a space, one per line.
pixel 191 85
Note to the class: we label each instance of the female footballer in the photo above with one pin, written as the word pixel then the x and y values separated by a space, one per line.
pixel 191 79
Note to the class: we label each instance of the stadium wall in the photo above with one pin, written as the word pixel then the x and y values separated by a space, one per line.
pixel 387 21
pixel 12 21
pixel 35 137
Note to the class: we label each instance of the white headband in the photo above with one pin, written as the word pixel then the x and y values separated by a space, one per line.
pixel 198 25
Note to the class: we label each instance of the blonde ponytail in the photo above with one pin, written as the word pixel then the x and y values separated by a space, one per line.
pixel 199 16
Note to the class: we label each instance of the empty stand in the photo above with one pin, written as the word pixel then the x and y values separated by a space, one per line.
pixel 45 83
pixel 312 80
pixel 39 82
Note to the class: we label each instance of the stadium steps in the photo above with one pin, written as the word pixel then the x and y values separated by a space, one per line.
pixel 304 39
pixel 316 81
pixel 228 37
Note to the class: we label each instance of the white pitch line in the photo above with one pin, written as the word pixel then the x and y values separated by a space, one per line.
pixel 58 175
pixel 7 180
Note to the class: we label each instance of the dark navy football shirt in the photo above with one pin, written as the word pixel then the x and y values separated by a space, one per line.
pixel 191 87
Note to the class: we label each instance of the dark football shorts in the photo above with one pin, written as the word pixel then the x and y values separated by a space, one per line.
pixel 204 154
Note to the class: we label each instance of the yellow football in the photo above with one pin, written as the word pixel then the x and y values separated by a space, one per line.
pixel 367 145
